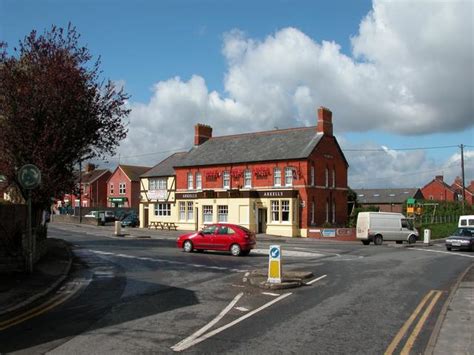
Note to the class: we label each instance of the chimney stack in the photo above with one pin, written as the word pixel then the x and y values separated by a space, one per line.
pixel 90 167
pixel 324 121
pixel 202 133
pixel 439 178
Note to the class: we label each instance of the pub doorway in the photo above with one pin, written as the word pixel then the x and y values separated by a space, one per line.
pixel 262 220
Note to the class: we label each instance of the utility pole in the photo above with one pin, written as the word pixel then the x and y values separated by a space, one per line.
pixel 463 185
pixel 80 191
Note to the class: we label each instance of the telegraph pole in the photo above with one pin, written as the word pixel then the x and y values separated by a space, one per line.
pixel 80 191
pixel 463 185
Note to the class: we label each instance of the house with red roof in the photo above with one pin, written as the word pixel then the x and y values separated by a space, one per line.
pixel 468 190
pixel 438 190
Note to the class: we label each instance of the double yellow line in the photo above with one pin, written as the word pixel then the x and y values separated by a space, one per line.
pixel 434 296
pixel 36 311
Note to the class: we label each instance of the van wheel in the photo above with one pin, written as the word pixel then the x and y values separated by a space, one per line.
pixel 366 242
pixel 448 248
pixel 412 239
pixel 378 240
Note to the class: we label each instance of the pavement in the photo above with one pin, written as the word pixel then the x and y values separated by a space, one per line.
pixel 453 332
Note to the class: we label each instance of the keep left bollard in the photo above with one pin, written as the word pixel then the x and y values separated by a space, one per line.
pixel 118 228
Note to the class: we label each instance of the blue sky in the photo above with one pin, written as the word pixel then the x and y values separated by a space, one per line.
pixel 201 61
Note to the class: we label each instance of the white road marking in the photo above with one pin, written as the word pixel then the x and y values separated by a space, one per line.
pixel 270 294
pixel 443 252
pixel 183 343
pixel 313 281
pixel 242 309
pixel 165 261
pixel 224 327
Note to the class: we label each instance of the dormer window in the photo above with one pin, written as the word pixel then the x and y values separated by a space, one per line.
pixel 226 180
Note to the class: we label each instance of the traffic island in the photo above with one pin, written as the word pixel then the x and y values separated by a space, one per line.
pixel 290 279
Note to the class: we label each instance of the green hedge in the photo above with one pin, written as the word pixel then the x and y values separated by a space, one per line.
pixel 439 230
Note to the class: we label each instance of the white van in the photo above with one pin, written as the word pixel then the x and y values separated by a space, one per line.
pixel 379 226
pixel 466 221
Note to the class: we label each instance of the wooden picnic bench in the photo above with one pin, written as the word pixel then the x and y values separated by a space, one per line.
pixel 155 225
pixel 169 225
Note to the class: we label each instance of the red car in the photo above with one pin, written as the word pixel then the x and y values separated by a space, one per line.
pixel 229 237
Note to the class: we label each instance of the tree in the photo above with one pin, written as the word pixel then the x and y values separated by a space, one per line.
pixel 55 110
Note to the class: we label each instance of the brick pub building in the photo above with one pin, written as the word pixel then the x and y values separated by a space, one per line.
pixel 280 182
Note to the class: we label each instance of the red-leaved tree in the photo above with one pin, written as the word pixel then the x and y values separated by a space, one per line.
pixel 55 110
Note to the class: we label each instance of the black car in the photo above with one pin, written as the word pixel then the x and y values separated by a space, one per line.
pixel 130 221
pixel 462 238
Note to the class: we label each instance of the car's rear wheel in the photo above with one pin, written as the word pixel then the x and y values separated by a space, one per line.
pixel 188 246
pixel 378 240
pixel 235 250
pixel 366 242
pixel 411 239
pixel 448 248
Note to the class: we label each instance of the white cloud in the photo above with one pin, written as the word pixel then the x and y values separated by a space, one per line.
pixel 410 73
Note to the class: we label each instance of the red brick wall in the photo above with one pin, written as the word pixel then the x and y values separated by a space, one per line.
pixel 326 155
pixel 132 192
pixel 439 192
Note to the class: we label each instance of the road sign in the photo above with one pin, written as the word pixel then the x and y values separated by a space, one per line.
pixel 29 176
pixel 274 264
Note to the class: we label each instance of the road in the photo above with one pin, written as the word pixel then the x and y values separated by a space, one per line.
pixel 145 296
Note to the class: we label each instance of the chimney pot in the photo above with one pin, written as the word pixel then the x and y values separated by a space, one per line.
pixel 324 121
pixel 439 178
pixel 202 133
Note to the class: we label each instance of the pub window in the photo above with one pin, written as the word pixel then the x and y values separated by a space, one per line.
pixel 247 178
pixel 312 175
pixel 226 180
pixel 334 177
pixel 163 209
pixel 222 213
pixel 207 214
pixel 276 177
pixel 275 211
pixel 122 188
pixel 285 210
pixel 190 181
pixel 111 189
pixel 334 211
pixel 288 176
pixel 158 184
pixel 182 211
pixel 327 211
pixel 190 210
pixel 312 212
pixel 327 177
pixel 198 181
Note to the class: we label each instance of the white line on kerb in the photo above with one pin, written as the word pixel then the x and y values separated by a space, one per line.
pixel 224 327
pixel 443 252
pixel 313 281
pixel 183 343
pixel 270 294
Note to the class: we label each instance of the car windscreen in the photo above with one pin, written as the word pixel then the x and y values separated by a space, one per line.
pixel 464 232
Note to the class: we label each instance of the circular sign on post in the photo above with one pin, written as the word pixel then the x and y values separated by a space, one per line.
pixel 29 176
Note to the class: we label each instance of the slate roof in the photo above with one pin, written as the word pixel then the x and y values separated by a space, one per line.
pixel 165 167
pixel 91 176
pixel 285 144
pixel 133 172
pixel 381 196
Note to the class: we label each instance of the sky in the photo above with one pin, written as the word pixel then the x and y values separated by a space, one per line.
pixel 397 75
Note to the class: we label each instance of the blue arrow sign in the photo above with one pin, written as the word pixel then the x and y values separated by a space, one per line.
pixel 274 253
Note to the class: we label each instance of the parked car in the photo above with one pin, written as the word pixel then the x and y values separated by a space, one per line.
pixel 109 215
pixel 130 220
pixel 462 238
pixel 379 226
pixel 222 236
